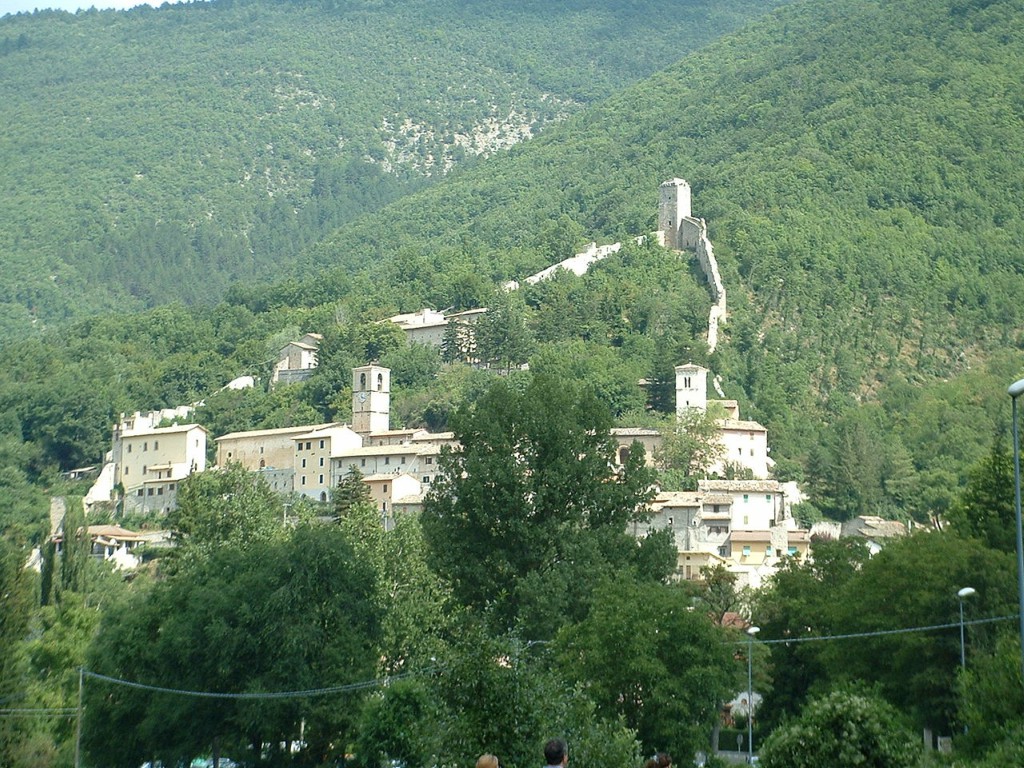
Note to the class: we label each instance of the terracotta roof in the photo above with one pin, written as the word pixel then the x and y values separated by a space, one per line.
pixel 676 499
pixel 282 431
pixel 114 532
pixel 740 486
pixel 635 432
pixel 741 425
pixel 136 433
pixel 752 536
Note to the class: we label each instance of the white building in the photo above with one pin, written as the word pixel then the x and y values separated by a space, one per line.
pixel 297 359
pixel 312 459
pixel 744 443
pixel 426 326
pixel 149 461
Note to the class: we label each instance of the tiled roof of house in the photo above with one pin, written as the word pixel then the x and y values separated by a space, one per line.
pixel 740 486
pixel 751 536
pixel 282 431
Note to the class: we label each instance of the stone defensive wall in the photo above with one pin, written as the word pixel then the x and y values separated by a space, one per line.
pixel 693 234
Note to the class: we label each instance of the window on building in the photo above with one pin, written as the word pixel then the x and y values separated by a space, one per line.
pixel 145 447
pixel 768 550
pixel 746 498
pixel 160 491
pixel 362 381
pixel 321 461
pixel 362 462
pixel 143 469
pixel 791 551
pixel 385 487
pixel 303 463
pixel 309 445
pixel 140 492
pixel 387 459
pixel 768 497
pixel 321 479
pixel 261 450
pixel 430 460
pixel 403 459
pixel 170 487
pixel 321 443
pixel 426 480
pixel 746 551
pixel 149 491
pixel 129 447
pixel 156 445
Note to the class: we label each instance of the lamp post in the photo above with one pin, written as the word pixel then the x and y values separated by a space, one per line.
pixel 751 631
pixel 1016 390
pixel 963 593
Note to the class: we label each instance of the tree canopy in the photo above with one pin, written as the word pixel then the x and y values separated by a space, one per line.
pixel 526 514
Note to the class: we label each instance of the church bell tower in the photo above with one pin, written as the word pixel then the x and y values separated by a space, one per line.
pixel 371 399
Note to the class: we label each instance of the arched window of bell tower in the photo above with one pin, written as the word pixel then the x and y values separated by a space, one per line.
pixel 362 381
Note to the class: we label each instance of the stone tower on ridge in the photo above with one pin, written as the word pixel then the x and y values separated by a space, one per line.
pixel 673 207
pixel 371 399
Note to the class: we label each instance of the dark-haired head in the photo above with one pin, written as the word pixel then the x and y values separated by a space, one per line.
pixel 556 752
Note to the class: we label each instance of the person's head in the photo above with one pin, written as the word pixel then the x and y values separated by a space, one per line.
pixel 556 752
pixel 487 761
pixel 663 759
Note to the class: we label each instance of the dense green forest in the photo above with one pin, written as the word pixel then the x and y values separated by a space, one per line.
pixel 858 164
pixel 160 155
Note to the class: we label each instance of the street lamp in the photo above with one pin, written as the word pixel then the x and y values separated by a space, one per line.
pixel 1016 390
pixel 963 593
pixel 751 631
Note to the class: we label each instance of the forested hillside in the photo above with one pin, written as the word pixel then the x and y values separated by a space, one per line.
pixel 160 155
pixel 859 164
pixel 860 168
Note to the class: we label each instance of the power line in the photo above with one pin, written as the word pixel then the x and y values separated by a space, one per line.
pixel 40 711
pixel 376 683
pixel 308 693
pixel 879 633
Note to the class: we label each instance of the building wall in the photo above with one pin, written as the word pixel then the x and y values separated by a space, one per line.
pixel 167 453
pixel 312 459
pixel 261 449
pixel 744 447
pixel 416 460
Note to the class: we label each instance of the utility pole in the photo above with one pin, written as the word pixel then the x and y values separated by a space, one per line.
pixel 78 723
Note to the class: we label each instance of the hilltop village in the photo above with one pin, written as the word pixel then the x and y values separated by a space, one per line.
pixel 744 525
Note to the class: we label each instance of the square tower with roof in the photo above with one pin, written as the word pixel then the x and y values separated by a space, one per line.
pixel 673 206
pixel 371 399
